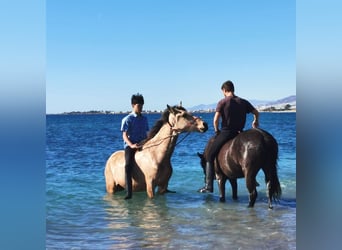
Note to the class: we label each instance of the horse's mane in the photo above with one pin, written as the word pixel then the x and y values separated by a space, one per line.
pixel 164 119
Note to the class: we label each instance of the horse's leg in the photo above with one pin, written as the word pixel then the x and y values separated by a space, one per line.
pixel 150 188
pixel 109 180
pixel 233 184
pixel 162 189
pixel 268 186
pixel 222 188
pixel 251 186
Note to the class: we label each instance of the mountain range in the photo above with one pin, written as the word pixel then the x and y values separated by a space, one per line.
pixel 259 104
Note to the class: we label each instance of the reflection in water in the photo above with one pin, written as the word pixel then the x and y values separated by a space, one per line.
pixel 166 222
pixel 139 222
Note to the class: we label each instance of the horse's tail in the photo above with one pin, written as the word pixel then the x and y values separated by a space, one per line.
pixel 272 180
pixel 273 184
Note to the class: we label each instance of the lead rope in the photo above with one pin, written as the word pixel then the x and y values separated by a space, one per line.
pixel 183 138
pixel 161 140
pixel 157 143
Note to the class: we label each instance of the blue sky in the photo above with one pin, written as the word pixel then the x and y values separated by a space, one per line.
pixel 99 53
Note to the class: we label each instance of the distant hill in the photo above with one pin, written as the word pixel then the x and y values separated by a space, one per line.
pixel 259 104
pixel 286 100
pixel 288 103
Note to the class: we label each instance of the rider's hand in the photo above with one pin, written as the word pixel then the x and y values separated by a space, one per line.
pixel 136 145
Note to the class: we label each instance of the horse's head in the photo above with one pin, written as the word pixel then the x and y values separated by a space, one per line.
pixel 203 156
pixel 181 120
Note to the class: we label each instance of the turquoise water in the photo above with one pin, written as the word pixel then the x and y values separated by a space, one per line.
pixel 80 215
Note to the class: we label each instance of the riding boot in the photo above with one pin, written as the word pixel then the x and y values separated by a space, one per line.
pixel 128 187
pixel 209 179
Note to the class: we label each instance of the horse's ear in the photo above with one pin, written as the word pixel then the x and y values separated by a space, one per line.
pixel 200 155
pixel 170 109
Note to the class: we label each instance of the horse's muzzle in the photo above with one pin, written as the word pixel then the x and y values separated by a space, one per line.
pixel 205 127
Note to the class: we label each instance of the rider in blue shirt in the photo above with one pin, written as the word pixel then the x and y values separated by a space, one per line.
pixel 134 128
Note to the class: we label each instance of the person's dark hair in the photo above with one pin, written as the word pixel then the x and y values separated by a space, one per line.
pixel 137 99
pixel 228 86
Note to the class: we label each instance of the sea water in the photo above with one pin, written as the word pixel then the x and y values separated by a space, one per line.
pixel 81 215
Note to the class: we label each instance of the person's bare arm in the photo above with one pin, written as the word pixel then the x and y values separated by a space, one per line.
pixel 216 122
pixel 255 122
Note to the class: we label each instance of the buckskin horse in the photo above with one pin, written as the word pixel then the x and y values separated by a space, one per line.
pixel 243 157
pixel 153 162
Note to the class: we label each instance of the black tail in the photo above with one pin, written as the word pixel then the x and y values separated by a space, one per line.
pixel 274 184
pixel 270 168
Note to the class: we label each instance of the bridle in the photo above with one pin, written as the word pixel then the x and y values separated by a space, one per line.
pixel 190 123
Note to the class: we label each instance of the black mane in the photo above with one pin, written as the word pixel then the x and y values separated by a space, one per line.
pixel 164 119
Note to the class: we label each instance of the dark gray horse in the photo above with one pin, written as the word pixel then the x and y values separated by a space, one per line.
pixel 243 157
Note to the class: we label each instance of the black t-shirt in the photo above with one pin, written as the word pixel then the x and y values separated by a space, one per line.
pixel 233 110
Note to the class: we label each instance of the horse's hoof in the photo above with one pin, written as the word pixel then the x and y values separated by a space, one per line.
pixel 270 207
pixel 235 198
pixel 250 206
pixel 169 191
pixel 222 199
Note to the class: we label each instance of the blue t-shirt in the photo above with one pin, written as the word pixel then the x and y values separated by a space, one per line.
pixel 136 127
